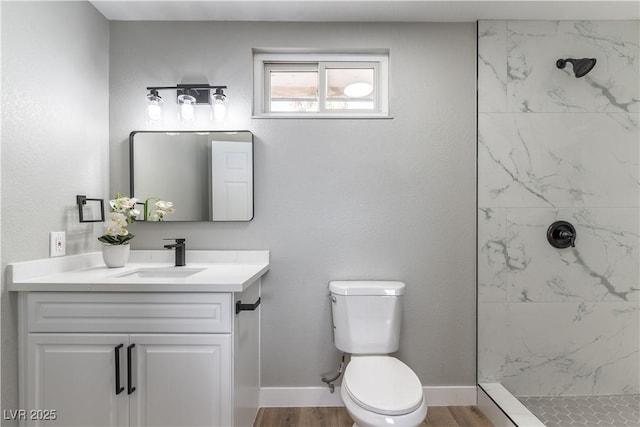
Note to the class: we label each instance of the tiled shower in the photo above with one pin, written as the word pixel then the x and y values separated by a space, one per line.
pixel 559 322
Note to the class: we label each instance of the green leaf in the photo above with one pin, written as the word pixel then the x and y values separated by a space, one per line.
pixel 115 240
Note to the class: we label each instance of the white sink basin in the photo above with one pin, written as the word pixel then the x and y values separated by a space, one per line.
pixel 162 272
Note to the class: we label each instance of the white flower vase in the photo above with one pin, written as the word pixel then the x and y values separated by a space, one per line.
pixel 115 255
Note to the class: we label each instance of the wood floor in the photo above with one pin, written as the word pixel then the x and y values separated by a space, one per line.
pixel 438 416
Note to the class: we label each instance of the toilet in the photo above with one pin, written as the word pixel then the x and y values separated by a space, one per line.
pixel 377 389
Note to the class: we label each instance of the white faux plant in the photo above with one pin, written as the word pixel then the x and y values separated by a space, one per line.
pixel 123 212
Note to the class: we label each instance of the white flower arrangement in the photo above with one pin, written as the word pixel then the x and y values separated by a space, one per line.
pixel 124 212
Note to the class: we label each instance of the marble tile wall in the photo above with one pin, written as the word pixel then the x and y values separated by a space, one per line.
pixel 555 147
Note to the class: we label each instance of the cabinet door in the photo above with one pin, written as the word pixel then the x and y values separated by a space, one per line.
pixel 246 359
pixel 181 380
pixel 75 376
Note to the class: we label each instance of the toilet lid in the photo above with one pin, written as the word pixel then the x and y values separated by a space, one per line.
pixel 382 384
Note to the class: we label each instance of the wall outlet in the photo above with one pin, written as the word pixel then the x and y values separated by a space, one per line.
pixel 57 244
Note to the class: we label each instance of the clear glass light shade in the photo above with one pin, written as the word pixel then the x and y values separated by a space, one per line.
pixel 154 109
pixel 187 103
pixel 218 105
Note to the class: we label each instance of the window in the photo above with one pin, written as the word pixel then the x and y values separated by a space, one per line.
pixel 291 87
pixel 320 85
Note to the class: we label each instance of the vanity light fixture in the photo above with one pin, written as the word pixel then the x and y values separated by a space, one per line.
pixel 188 97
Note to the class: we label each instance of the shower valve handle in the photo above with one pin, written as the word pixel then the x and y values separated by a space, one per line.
pixel 568 235
pixel 561 235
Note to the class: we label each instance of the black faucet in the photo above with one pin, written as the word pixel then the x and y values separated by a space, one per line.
pixel 181 248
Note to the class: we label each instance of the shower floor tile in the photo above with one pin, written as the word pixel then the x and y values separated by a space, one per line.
pixel 585 411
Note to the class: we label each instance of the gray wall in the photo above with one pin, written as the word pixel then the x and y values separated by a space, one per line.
pixel 54 138
pixel 334 199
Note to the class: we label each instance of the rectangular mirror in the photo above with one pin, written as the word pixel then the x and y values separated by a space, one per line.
pixel 207 175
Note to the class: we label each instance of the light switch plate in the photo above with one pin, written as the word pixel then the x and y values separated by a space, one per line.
pixel 57 244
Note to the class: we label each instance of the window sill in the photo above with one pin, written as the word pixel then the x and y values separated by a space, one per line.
pixel 320 116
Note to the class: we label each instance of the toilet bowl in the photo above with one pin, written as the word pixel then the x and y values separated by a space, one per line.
pixel 382 391
pixel 377 389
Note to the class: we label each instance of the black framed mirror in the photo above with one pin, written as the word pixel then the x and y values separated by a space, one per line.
pixel 207 175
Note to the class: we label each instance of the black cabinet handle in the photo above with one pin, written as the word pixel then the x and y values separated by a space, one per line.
pixel 119 389
pixel 246 307
pixel 130 389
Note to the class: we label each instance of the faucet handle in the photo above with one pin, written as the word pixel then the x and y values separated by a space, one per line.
pixel 177 239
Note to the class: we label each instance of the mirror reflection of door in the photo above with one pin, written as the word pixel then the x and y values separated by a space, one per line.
pixel 232 179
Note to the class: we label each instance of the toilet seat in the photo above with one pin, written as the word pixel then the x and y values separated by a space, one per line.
pixel 383 385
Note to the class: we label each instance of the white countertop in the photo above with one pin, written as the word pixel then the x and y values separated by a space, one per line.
pixel 223 271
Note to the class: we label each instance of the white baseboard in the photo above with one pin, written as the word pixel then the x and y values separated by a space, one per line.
pixel 279 397
pixel 289 397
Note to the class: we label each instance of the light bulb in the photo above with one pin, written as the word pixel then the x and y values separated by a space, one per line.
pixel 219 104
pixel 219 110
pixel 186 111
pixel 154 112
pixel 186 107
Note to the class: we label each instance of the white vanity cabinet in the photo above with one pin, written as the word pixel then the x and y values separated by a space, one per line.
pixel 139 358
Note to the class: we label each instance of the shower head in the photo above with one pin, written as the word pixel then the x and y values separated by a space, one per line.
pixel 581 67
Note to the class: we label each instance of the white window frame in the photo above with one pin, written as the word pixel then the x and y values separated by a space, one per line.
pixel 283 66
pixel 261 86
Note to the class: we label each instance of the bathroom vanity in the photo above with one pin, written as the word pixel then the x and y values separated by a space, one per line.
pixel 148 344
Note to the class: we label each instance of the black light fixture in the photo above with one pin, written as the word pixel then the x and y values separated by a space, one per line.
pixel 187 97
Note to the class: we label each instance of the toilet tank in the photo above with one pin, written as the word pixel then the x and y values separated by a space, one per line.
pixel 366 315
